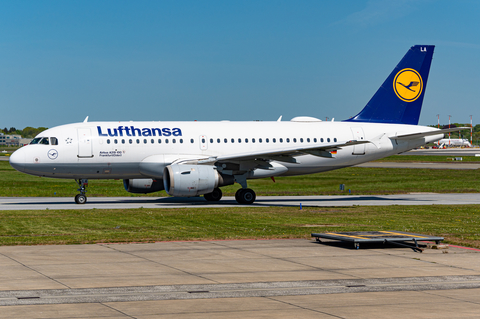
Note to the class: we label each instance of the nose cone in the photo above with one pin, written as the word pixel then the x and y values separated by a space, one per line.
pixel 17 160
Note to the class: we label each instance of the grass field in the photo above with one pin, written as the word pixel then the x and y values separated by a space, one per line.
pixel 358 180
pixel 458 224
pixel 429 158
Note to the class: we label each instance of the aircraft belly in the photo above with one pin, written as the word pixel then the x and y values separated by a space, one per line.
pixel 85 170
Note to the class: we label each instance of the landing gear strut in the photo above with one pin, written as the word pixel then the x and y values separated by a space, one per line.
pixel 81 198
pixel 214 196
pixel 245 196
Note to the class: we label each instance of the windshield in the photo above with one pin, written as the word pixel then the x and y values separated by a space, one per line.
pixel 35 140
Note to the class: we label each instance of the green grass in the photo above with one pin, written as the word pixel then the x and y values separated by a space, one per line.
pixel 358 180
pixel 458 224
pixel 428 158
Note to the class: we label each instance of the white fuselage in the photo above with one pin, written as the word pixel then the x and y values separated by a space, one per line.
pixel 134 150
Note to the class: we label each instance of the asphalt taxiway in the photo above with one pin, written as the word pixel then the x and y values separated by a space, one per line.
pixel 42 203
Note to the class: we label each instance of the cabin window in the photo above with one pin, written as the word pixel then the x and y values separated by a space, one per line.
pixel 274 140
pixel 321 140
pixel 115 141
pixel 253 140
pixel 225 140
pixel 123 141
pixel 328 139
pixel 267 140
pixel 294 140
pixel 218 140
pixel 152 141
pixel 203 141
pixel 192 141
pixel 239 140
pixel 246 140
pixel 233 140
pixel 174 140
pixel 301 140
pixel 108 141
pixel 288 140
pixel 138 141
pixel 211 140
pixel 144 141
pixel 166 140
pixel 259 140
pixel 159 141
pixel 53 141
pixel 335 139
pixel 308 140
pixel 281 140
pixel 130 141
pixel 181 141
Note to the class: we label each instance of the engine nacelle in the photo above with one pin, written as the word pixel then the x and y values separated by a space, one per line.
pixel 143 186
pixel 191 180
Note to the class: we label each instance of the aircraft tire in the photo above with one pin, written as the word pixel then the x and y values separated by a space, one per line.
pixel 238 196
pixel 80 199
pixel 245 196
pixel 214 196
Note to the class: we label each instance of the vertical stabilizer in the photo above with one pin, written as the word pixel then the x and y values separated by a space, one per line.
pixel 399 99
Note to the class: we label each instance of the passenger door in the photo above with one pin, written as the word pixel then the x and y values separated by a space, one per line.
pixel 84 143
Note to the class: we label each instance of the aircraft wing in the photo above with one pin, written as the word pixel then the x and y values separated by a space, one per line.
pixel 421 134
pixel 285 154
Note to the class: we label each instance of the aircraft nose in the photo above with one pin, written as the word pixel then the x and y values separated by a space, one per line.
pixel 17 160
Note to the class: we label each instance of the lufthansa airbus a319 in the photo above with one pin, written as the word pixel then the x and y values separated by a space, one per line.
pixel 197 158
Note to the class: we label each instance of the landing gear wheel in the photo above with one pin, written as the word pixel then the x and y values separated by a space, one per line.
pixel 80 199
pixel 245 196
pixel 237 195
pixel 214 196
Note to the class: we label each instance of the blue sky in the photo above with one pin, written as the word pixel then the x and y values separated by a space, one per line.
pixel 61 61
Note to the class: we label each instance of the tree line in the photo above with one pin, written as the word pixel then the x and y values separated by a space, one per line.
pixel 27 132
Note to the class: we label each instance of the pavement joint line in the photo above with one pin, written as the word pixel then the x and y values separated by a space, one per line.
pixel 432 292
pixel 116 310
pixel 34 270
pixel 305 308
pixel 159 263
pixel 313 268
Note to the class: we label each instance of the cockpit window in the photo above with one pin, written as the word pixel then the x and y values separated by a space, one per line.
pixel 53 141
pixel 35 140
pixel 44 141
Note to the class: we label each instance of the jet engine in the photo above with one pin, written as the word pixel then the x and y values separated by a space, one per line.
pixel 193 180
pixel 143 186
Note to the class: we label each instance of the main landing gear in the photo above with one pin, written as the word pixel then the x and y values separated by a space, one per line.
pixel 81 198
pixel 242 196
pixel 245 196
pixel 214 196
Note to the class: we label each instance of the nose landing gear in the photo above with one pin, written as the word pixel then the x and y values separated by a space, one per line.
pixel 81 198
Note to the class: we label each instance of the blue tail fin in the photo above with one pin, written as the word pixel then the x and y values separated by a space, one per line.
pixel 399 99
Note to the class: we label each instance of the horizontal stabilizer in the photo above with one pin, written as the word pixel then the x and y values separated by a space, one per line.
pixel 429 133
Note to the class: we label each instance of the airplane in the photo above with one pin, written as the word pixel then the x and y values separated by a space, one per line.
pixel 447 142
pixel 188 159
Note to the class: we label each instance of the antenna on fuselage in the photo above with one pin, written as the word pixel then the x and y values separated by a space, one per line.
pixel 280 118
pixel 85 120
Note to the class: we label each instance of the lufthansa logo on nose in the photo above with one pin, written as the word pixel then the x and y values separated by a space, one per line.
pixel 52 154
pixel 408 85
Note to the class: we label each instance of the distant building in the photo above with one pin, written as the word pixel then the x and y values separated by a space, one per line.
pixel 10 139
